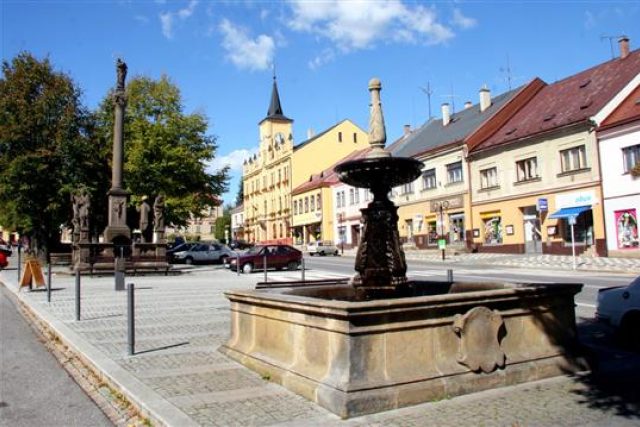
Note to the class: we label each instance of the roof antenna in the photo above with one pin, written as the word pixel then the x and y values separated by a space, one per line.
pixel 427 91
pixel 507 71
pixel 610 38
pixel 452 97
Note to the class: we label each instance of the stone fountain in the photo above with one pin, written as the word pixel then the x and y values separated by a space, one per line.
pixel 381 341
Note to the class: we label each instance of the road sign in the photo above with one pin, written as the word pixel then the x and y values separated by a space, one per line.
pixel 543 204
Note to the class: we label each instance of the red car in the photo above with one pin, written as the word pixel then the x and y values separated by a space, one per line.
pixel 278 257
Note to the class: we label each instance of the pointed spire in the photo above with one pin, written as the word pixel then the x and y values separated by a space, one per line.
pixel 275 108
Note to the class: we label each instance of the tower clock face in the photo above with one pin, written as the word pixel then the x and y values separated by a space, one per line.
pixel 279 138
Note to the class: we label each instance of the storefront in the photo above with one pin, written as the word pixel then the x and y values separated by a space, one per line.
pixel 623 237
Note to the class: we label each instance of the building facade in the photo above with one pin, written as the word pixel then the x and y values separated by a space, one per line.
pixel 237 223
pixel 619 147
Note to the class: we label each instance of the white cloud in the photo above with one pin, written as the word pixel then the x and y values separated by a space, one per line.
pixel 590 20
pixel 462 21
pixel 168 19
pixel 234 160
pixel 245 52
pixel 324 57
pixel 359 24
pixel 142 19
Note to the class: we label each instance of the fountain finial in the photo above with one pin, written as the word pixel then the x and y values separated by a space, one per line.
pixel 377 131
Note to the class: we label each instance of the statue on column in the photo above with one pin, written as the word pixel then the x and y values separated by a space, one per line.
pixel 83 201
pixel 121 68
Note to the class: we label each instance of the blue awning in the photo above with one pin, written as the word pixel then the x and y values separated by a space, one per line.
pixel 570 212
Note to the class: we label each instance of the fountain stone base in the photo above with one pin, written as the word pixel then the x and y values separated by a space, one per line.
pixel 359 357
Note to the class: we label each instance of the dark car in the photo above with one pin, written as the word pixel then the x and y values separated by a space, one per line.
pixel 278 257
pixel 240 244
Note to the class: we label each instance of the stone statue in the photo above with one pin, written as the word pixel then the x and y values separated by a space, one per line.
pixel 121 67
pixel 144 210
pixel 75 221
pixel 83 204
pixel 158 213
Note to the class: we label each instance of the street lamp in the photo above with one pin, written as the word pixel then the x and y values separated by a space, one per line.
pixel 441 241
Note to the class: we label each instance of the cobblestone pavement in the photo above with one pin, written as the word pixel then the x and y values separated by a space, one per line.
pixel 182 320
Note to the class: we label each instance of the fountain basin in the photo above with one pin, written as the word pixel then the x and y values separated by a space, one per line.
pixel 359 357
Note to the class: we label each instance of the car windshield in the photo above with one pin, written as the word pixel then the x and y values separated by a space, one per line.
pixel 254 250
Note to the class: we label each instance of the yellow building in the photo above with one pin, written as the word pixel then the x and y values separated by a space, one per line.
pixel 279 166
pixel 536 182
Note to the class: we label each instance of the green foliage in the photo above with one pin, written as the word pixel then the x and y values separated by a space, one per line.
pixel 166 151
pixel 45 150
pixel 223 223
pixel 240 194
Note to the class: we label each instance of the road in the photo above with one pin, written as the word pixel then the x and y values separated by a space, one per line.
pixel 34 389
pixel 422 270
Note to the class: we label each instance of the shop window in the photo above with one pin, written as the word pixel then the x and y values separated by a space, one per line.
pixel 582 230
pixel 631 156
pixel 454 172
pixel 432 233
pixel 527 169
pixel 429 179
pixel 489 178
pixel 492 230
pixel 627 228
pixel 573 159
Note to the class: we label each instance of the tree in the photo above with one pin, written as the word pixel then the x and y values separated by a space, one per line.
pixel 223 223
pixel 240 195
pixel 166 150
pixel 45 148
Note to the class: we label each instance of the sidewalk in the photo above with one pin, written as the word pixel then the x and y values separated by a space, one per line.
pixel 531 261
pixel 178 378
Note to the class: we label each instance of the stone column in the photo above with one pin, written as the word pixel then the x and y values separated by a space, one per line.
pixel 117 226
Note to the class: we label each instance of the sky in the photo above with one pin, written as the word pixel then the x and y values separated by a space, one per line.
pixel 223 54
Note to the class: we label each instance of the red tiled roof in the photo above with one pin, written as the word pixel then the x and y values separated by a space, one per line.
pixel 568 101
pixel 627 111
pixel 328 177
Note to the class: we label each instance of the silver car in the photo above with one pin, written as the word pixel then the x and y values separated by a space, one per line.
pixel 204 253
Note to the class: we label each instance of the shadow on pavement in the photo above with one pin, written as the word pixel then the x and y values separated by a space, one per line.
pixel 166 347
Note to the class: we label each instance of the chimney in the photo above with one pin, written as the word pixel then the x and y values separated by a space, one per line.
pixel 310 133
pixel 485 98
pixel 467 104
pixel 623 42
pixel 446 116
pixel 406 129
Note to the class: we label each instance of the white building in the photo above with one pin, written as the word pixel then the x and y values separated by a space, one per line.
pixel 237 222
pixel 619 148
pixel 348 201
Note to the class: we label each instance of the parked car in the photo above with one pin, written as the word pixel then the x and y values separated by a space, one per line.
pixel 322 247
pixel 203 253
pixel 619 306
pixel 5 248
pixel 240 244
pixel 278 257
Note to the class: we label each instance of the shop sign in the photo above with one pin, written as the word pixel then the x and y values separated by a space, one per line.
pixel 542 204
pixel 455 202
pixel 579 198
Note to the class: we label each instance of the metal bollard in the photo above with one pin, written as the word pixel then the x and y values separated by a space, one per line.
pixel 19 261
pixel 119 273
pixel 77 294
pixel 450 276
pixel 131 332
pixel 49 282
pixel 238 264
pixel 303 269
pixel 264 265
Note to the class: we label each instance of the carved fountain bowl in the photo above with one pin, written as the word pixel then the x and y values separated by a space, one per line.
pixel 435 341
pixel 389 171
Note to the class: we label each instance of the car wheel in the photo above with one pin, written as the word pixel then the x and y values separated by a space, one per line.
pixel 336 253
pixel 630 329
pixel 247 268
pixel 188 260
pixel 321 253
pixel 293 265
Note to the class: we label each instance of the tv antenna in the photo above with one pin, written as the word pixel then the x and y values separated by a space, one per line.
pixel 427 91
pixel 610 38
pixel 507 71
pixel 452 100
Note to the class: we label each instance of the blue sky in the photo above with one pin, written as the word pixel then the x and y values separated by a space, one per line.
pixel 221 53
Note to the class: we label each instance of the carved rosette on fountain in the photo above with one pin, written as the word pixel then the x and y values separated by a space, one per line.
pixel 380 260
pixel 117 231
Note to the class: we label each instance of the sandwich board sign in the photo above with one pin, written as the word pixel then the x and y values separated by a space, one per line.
pixel 32 272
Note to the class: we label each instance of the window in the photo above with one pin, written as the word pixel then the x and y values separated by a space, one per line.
pixel 407 188
pixel 489 178
pixel 357 196
pixel 573 159
pixel 318 204
pixel 429 179
pixel 313 204
pixel 338 204
pixel 351 197
pixel 306 204
pixel 295 207
pixel 492 230
pixel 631 156
pixel 527 169
pixel 367 195
pixel 454 172
pixel 344 202
pixel 339 136
pixel 279 175
pixel 355 137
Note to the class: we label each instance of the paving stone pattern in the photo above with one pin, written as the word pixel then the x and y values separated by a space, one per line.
pixel 182 320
